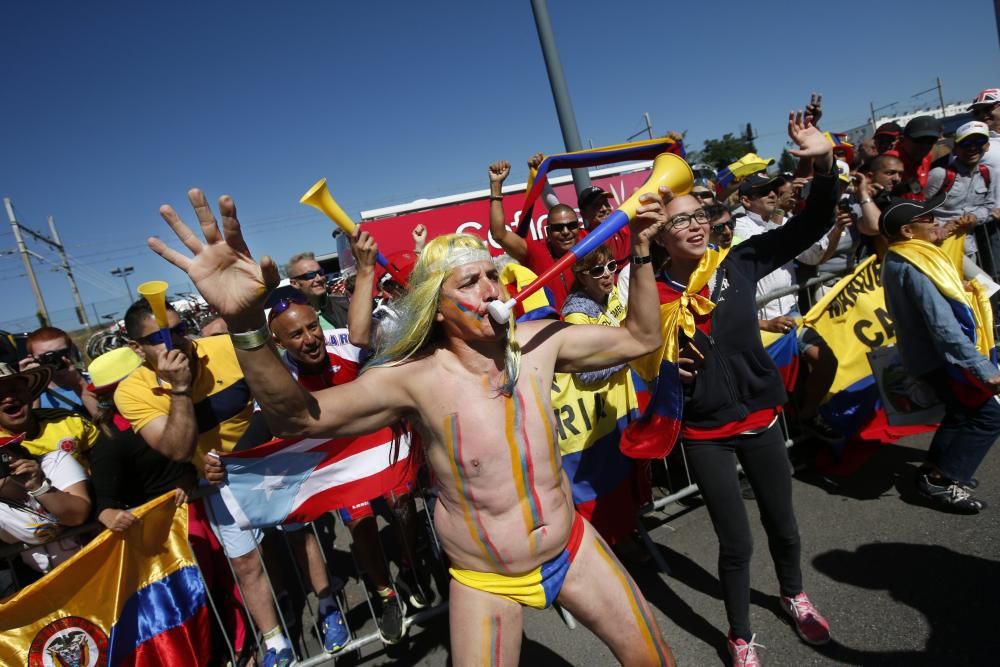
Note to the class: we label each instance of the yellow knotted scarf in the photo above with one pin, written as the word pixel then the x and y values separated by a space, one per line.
pixel 942 265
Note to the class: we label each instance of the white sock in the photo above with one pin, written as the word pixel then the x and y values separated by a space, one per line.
pixel 326 603
pixel 276 639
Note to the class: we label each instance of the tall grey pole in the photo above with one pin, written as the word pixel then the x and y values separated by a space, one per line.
pixel 43 313
pixel 940 96
pixel 81 312
pixel 560 92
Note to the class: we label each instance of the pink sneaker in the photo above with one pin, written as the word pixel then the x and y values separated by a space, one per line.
pixel 812 627
pixel 743 653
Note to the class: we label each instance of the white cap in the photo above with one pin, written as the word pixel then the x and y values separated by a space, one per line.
pixel 971 128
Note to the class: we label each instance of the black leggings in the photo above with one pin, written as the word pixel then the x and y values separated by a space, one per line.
pixel 765 463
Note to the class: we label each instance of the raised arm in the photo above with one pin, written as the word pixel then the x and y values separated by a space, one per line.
pixel 359 313
pixel 233 283
pixel 591 347
pixel 512 244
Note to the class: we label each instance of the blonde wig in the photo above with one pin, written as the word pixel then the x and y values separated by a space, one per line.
pixel 416 328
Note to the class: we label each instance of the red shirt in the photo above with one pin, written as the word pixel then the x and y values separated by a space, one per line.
pixel 914 171
pixel 539 258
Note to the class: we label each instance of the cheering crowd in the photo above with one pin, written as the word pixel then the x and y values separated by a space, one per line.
pixel 531 435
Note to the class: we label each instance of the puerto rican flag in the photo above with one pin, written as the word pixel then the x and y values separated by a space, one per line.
pixel 299 480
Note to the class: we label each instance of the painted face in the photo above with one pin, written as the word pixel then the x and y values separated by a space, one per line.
pixel 308 277
pixel 684 236
pixel 148 350
pixel 15 404
pixel 465 294
pixel 563 229
pixel 298 331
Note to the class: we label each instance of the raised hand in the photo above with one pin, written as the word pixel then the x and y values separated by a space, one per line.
pixel 815 107
pixel 650 217
pixel 222 268
pixel 499 171
pixel 419 235
pixel 364 248
pixel 811 142
pixel 535 160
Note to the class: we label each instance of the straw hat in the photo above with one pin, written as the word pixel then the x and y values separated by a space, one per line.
pixel 38 377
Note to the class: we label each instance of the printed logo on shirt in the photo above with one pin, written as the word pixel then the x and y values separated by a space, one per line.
pixel 68 445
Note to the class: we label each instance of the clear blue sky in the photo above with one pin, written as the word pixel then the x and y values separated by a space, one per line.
pixel 113 108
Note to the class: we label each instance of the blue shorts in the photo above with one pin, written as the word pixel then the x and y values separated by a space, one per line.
pixel 235 541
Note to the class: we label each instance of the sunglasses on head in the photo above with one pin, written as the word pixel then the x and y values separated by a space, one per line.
pixel 284 304
pixel 704 194
pixel 309 275
pixel 156 338
pixel 598 270
pixel 563 226
pixel 717 229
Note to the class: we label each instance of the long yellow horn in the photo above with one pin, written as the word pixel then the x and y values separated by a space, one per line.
pixel 319 197
pixel 155 293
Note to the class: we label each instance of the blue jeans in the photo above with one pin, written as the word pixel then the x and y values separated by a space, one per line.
pixel 965 435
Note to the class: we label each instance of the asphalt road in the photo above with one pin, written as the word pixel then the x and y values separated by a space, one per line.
pixel 901 583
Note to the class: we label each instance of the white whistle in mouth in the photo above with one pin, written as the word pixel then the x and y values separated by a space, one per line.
pixel 500 310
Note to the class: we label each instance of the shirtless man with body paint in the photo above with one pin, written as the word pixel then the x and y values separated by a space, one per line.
pixel 482 404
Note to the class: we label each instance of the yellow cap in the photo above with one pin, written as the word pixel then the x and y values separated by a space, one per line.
pixel 751 163
pixel 113 367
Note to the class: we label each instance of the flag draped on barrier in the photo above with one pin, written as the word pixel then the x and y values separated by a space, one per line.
pixel 131 598
pixel 640 150
pixel 297 480
pixel 783 348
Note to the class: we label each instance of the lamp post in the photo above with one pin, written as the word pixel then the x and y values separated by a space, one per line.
pixel 124 272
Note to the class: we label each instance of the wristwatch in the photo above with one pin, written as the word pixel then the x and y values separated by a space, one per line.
pixel 45 487
pixel 639 261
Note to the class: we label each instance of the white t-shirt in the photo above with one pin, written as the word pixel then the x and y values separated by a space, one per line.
pixel 32 524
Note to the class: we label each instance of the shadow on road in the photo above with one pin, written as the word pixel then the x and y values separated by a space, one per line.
pixel 956 593
pixel 887 466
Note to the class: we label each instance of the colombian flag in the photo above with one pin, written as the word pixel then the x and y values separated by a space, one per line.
pixel 538 306
pixel 640 150
pixel 132 598
pixel 590 420
pixel 784 351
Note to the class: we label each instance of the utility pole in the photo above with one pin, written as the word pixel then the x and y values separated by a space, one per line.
pixel 871 105
pixel 43 313
pixel 81 312
pixel 940 95
pixel 560 92
pixel 648 129
pixel 124 273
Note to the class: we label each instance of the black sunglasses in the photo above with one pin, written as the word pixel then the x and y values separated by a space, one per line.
pixel 599 270
pixel 309 275
pixel 284 304
pixel 717 229
pixel 973 143
pixel 704 194
pixel 563 226
pixel 156 338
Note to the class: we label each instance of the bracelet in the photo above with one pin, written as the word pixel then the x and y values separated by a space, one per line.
pixel 867 200
pixel 45 487
pixel 640 260
pixel 251 340
pixel 496 197
pixel 186 392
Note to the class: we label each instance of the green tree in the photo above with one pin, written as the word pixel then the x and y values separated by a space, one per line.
pixel 722 152
pixel 787 161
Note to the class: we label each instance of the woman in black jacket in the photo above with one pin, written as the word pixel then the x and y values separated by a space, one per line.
pixel 733 393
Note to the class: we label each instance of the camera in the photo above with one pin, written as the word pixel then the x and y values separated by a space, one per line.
pixel 5 460
pixel 54 358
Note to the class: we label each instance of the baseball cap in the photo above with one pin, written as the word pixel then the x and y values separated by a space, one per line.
pixel 751 163
pixel 402 262
pixel 891 129
pixel 590 195
pixel 901 211
pixel 988 97
pixel 923 127
pixel 972 128
pixel 760 182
